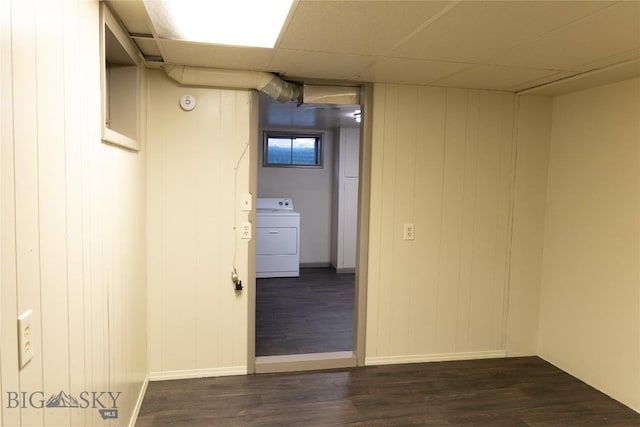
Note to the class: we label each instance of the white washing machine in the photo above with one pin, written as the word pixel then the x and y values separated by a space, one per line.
pixel 277 238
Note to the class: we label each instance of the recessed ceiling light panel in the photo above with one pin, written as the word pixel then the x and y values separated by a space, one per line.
pixel 255 23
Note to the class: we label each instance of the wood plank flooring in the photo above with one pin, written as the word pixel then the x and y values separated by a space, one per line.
pixel 497 392
pixel 312 313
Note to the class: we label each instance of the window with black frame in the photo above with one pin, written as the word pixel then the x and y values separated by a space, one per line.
pixel 292 150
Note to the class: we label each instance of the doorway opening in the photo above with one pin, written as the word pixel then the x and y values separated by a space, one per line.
pixel 308 166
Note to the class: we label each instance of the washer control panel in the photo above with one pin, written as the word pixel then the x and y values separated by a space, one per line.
pixel 274 203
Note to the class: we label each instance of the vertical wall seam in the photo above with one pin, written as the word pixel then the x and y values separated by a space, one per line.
pixel 464 191
pixel 475 215
pixel 37 191
pixel 394 177
pixel 416 137
pixel 512 183
pixel 84 222
pixel 13 144
pixel 146 103
pixel 221 130
pixel 380 231
pixel 107 275
pixel 161 295
pixel 198 153
pixel 502 168
pixel 497 218
pixel 442 188
pixel 66 206
pixel 394 180
pixel 234 133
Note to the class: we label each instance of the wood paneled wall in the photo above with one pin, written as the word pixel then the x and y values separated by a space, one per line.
pixel 442 159
pixel 72 219
pixel 197 322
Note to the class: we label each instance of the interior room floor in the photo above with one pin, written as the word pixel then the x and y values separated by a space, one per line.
pixel 312 313
pixel 498 392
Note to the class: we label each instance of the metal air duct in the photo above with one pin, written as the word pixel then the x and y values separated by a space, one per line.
pixel 268 83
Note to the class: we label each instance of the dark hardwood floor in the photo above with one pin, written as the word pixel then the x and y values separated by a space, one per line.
pixel 312 313
pixel 498 392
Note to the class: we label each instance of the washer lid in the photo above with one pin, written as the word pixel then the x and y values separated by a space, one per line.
pixel 274 213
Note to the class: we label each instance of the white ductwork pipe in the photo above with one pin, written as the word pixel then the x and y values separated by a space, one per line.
pixel 268 83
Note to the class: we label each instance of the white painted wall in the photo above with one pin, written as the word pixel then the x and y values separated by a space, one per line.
pixel 197 322
pixel 533 139
pixel 311 192
pixel 442 159
pixel 72 220
pixel 590 292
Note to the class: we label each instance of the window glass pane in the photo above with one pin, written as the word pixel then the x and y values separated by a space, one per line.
pixel 304 151
pixel 279 151
pixel 285 150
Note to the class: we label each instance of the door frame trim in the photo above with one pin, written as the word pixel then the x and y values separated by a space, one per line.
pixel 364 206
pixel 328 360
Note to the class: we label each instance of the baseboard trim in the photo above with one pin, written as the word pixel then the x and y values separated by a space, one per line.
pixel 136 408
pixel 197 373
pixel 346 270
pixel 436 357
pixel 314 264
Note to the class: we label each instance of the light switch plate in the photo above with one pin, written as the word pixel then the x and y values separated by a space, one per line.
pixel 25 340
pixel 246 202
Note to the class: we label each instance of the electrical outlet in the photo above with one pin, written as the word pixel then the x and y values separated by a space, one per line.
pixel 409 231
pixel 25 342
pixel 245 230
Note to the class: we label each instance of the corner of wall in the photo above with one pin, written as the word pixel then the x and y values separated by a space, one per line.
pixel 533 136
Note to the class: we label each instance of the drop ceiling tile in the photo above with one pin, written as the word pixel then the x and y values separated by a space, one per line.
pixel 319 65
pixel 609 32
pixel 359 27
pixel 588 80
pixel 493 77
pixel 473 30
pixel 411 71
pixel 215 56
pixel 629 55
pixel 521 43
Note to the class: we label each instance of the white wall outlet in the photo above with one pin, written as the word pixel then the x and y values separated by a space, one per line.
pixel 25 340
pixel 409 231
pixel 245 230
pixel 246 202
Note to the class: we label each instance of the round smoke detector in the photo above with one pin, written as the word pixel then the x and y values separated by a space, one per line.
pixel 188 102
